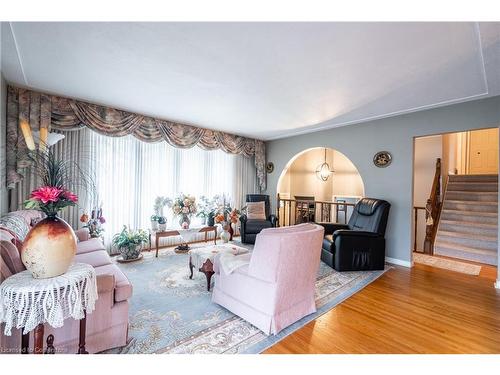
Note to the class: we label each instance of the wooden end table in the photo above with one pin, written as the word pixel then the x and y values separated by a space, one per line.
pixel 175 232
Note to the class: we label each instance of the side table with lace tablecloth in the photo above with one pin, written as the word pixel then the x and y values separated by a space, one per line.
pixel 202 258
pixel 29 303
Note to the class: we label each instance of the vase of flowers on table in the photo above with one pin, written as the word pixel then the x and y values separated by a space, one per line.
pixel 94 222
pixel 226 216
pixel 184 207
pixel 50 246
pixel 130 242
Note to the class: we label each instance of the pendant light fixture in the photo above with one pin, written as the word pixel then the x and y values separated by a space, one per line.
pixel 323 170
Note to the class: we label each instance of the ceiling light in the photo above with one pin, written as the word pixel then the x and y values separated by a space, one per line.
pixel 323 170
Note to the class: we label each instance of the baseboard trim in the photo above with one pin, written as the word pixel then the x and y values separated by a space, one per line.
pixel 398 262
pixel 497 284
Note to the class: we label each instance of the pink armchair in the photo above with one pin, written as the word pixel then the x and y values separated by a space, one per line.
pixel 277 287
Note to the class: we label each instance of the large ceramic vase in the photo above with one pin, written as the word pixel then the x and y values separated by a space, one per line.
pixel 49 248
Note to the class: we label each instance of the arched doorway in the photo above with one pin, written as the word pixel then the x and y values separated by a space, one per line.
pixel 305 194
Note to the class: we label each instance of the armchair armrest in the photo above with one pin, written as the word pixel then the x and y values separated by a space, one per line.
pixel 355 233
pixel 273 219
pixel 332 227
pixel 106 287
pixel 359 250
pixel 105 283
pixel 82 234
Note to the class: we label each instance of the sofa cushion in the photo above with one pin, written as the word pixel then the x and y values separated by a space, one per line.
pixel 255 226
pixel 123 287
pixel 94 258
pixel 93 244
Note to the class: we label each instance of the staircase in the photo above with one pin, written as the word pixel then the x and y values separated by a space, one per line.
pixel 469 219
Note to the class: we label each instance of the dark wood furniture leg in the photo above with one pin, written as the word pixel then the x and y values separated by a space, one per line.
pixel 50 345
pixel 191 267
pixel 157 240
pixel 38 345
pixel 208 269
pixel 83 331
pixel 25 343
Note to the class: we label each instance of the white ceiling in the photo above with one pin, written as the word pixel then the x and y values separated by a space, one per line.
pixel 264 80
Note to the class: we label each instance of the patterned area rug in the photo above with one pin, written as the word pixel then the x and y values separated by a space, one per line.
pixel 447 264
pixel 169 313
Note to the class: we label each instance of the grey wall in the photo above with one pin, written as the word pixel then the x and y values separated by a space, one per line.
pixel 3 131
pixel 394 183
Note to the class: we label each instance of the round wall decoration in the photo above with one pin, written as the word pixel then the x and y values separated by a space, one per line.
pixel 382 159
pixel 269 167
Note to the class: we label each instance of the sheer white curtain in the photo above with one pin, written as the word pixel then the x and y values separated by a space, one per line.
pixel 130 174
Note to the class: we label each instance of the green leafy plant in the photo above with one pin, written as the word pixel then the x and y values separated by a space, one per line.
pixel 130 238
pixel 162 220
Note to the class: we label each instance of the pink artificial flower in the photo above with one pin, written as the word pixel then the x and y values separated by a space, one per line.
pixel 70 196
pixel 102 220
pixel 46 194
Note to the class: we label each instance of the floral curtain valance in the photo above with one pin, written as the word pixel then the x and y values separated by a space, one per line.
pixel 54 112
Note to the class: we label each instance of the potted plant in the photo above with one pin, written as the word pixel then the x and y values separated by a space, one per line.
pixel 206 210
pixel 162 223
pixel 130 242
pixel 160 203
pixel 154 222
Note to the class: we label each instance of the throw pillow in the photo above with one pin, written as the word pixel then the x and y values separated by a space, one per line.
pixel 256 210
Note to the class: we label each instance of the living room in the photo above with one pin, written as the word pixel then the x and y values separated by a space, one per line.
pixel 248 187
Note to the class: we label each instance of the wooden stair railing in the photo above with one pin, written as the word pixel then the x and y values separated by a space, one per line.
pixel 289 211
pixel 433 211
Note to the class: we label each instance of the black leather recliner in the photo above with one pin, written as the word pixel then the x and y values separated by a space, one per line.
pixel 360 244
pixel 250 228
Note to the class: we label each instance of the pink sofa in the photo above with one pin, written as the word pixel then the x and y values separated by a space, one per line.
pixel 107 326
pixel 277 287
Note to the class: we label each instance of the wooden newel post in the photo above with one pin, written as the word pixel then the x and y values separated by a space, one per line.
pixel 428 228
pixel 432 210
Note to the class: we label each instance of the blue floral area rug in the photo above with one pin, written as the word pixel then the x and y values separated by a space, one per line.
pixel 170 313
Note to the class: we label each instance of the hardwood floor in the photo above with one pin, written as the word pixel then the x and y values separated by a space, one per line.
pixel 418 310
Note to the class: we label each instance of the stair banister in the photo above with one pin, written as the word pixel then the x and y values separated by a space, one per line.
pixel 433 210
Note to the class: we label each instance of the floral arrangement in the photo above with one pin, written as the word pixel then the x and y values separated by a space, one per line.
pixel 234 215
pixel 205 207
pixel 224 212
pixel 94 223
pixel 58 177
pixel 50 199
pixel 160 202
pixel 184 205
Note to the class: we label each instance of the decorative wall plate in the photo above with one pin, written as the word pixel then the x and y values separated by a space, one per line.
pixel 269 167
pixel 382 159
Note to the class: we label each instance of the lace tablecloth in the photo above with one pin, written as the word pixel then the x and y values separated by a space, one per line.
pixel 200 255
pixel 26 302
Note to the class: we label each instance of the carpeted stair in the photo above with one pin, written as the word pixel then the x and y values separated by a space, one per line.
pixel 469 219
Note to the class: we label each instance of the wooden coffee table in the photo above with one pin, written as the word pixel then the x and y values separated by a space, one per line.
pixel 175 232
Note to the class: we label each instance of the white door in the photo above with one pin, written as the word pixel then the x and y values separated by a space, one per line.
pixel 483 151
